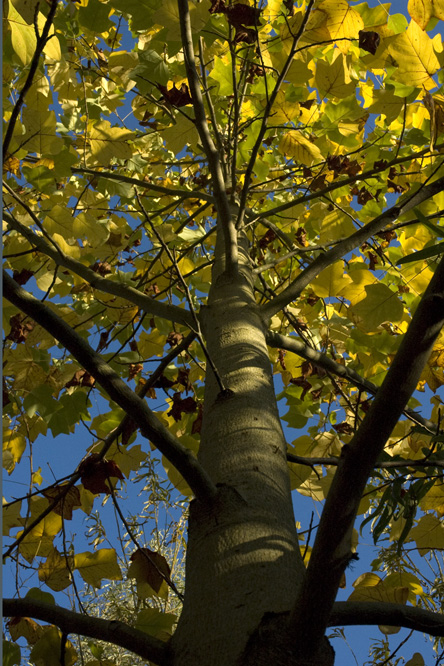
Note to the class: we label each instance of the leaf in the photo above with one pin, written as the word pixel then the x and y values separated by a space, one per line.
pixel 415 58
pixel 380 305
pixel 47 650
pixel 427 253
pixel 343 22
pixel 428 534
pixel 96 471
pixel 155 623
pixel 11 654
pixel 108 143
pixel 333 79
pixel 24 627
pixel 55 571
pixel 150 569
pixel 69 501
pixel 332 281
pixel 93 567
pixel 416 660
pixel 422 11
pixel 294 144
pixel 221 74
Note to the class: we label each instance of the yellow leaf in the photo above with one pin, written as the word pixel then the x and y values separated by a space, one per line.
pixel 47 650
pixel 282 111
pixel 294 144
pixel 11 517
pixel 108 142
pixel 54 571
pixel 95 566
pixel 14 445
pixel 343 22
pixel 434 500
pixel 85 226
pixel 428 533
pixel 380 305
pixel 413 53
pixel 416 660
pixel 333 79
pixel 39 540
pixel 156 623
pixel 151 344
pixel 332 281
pixel 422 11
pixel 369 587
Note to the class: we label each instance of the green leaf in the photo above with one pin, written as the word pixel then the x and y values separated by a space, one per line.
pixel 11 654
pixel 427 253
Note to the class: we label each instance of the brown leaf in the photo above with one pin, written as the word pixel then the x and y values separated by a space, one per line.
pixel 369 41
pixel 175 96
pixel 343 428
pixel 21 327
pixel 22 277
pixel 174 338
pixel 150 567
pixel 182 406
pixel 95 471
pixel 134 370
pixel 81 378
pixel 242 15
pixel 246 35
pixel 102 268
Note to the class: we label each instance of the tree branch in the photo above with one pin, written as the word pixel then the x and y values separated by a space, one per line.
pixel 70 622
pixel 388 464
pixel 150 427
pixel 144 302
pixel 145 185
pixel 332 547
pixel 341 249
pixel 226 216
pixel 346 613
pixel 41 43
pixel 106 445
pixel 301 349
pixel 351 180
pixel 267 111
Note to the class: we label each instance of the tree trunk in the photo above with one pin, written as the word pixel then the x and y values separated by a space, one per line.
pixel 243 558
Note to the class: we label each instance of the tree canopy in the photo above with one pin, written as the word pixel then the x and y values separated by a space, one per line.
pixel 198 196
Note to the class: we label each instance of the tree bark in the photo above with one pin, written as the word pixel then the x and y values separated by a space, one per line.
pixel 243 557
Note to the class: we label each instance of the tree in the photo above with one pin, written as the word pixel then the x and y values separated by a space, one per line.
pixel 243 190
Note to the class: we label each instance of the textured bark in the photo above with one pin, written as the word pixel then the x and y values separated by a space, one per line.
pixel 243 557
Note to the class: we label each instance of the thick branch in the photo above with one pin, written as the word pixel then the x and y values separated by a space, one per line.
pixel 225 215
pixel 298 347
pixel 70 622
pixel 130 402
pixel 145 185
pixel 355 240
pixel 332 547
pixel 347 613
pixel 144 302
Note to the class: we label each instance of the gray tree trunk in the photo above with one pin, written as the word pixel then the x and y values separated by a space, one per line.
pixel 243 558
